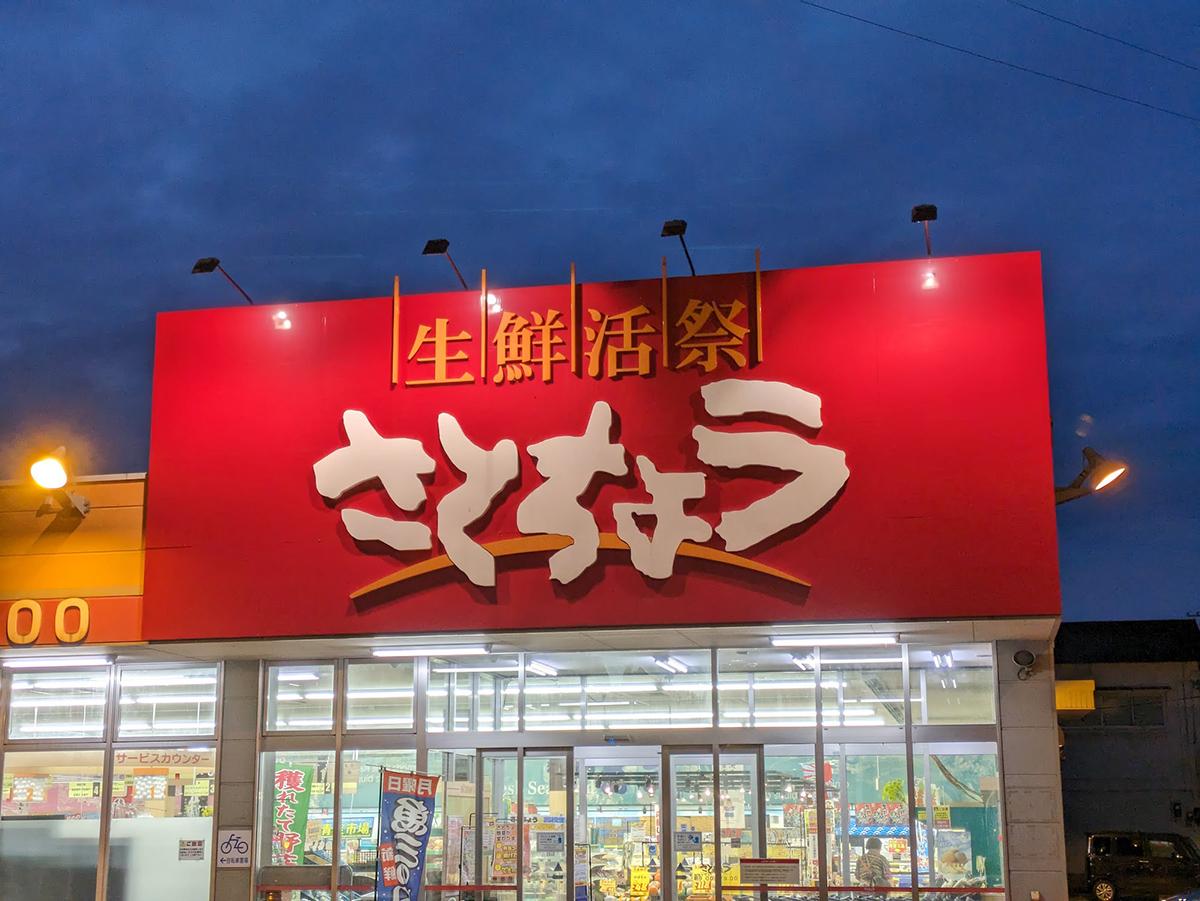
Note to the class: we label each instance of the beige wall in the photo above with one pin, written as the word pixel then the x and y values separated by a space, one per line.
pixel 56 555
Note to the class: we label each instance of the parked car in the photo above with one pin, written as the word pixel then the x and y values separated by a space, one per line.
pixel 1141 865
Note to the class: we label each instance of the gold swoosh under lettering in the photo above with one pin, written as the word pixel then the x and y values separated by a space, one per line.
pixel 533 544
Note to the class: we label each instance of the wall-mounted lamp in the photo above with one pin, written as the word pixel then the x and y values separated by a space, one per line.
pixel 205 265
pixel 441 247
pixel 50 472
pixel 1097 474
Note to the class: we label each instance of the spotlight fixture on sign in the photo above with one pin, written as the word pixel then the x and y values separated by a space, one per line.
pixel 925 213
pixel 441 247
pixel 493 303
pixel 281 320
pixel 677 228
pixel 50 472
pixel 1097 474
pixel 205 265
pixel 929 282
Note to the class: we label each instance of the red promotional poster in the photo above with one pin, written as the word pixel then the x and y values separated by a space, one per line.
pixel 858 442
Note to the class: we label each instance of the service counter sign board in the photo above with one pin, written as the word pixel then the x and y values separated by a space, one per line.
pixel 849 443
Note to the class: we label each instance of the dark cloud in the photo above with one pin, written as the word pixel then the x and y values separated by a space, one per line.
pixel 314 148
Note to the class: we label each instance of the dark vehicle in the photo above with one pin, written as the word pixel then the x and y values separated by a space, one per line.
pixel 1141 865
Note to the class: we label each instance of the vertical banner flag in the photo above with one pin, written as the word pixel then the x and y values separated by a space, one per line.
pixel 405 818
pixel 293 791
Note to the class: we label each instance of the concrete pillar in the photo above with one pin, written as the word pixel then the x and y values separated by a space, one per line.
pixel 1032 781
pixel 235 788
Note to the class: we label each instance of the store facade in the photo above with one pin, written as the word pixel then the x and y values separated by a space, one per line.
pixel 665 580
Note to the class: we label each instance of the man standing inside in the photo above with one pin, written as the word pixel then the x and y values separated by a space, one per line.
pixel 872 868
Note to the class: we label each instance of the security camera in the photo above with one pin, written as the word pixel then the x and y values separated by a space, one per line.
pixel 1024 660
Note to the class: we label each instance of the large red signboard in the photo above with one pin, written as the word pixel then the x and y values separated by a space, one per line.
pixel 847 443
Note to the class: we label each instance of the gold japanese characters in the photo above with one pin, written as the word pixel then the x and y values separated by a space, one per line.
pixel 706 334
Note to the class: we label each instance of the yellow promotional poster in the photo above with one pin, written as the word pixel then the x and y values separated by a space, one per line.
pixel 608 888
pixel 639 882
pixel 79 789
pixel 702 880
pixel 198 789
pixel 941 818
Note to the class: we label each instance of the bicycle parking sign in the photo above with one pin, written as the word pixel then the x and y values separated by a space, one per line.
pixel 233 847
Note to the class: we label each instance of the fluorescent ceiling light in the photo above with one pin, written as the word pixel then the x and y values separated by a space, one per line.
pixel 378 694
pixel 309 724
pixel 143 679
pixel 297 675
pixel 592 704
pixel 541 669
pixel 671 664
pixel 175 699
pixel 59 662
pixel 842 660
pixel 513 668
pixel 461 650
pixel 804 662
pixel 61 683
pixel 62 727
pixel 832 641
pixel 86 701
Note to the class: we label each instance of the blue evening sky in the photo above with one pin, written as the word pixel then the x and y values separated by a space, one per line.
pixel 314 147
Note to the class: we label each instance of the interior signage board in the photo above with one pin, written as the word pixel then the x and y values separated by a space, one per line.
pixel 835 444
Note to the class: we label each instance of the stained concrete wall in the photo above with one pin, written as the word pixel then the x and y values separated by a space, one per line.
pixel 1032 782
pixel 239 751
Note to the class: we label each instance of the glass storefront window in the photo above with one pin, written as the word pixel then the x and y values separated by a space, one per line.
pixel 358 843
pixel 618 690
pixel 295 803
pixel 738 815
pixel 379 695
pixel 766 688
pixel 790 778
pixel 299 698
pixel 450 857
pixel 50 824
pixel 475 694
pixel 867 819
pixel 68 704
pixel 958 815
pixel 617 825
pixel 501 818
pixel 693 840
pixel 162 798
pixel 862 687
pixel 546 873
pixel 161 701
pixel 953 684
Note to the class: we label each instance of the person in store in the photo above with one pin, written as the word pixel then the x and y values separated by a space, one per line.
pixel 872 868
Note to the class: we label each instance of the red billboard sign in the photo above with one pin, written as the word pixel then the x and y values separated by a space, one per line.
pixel 847 443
